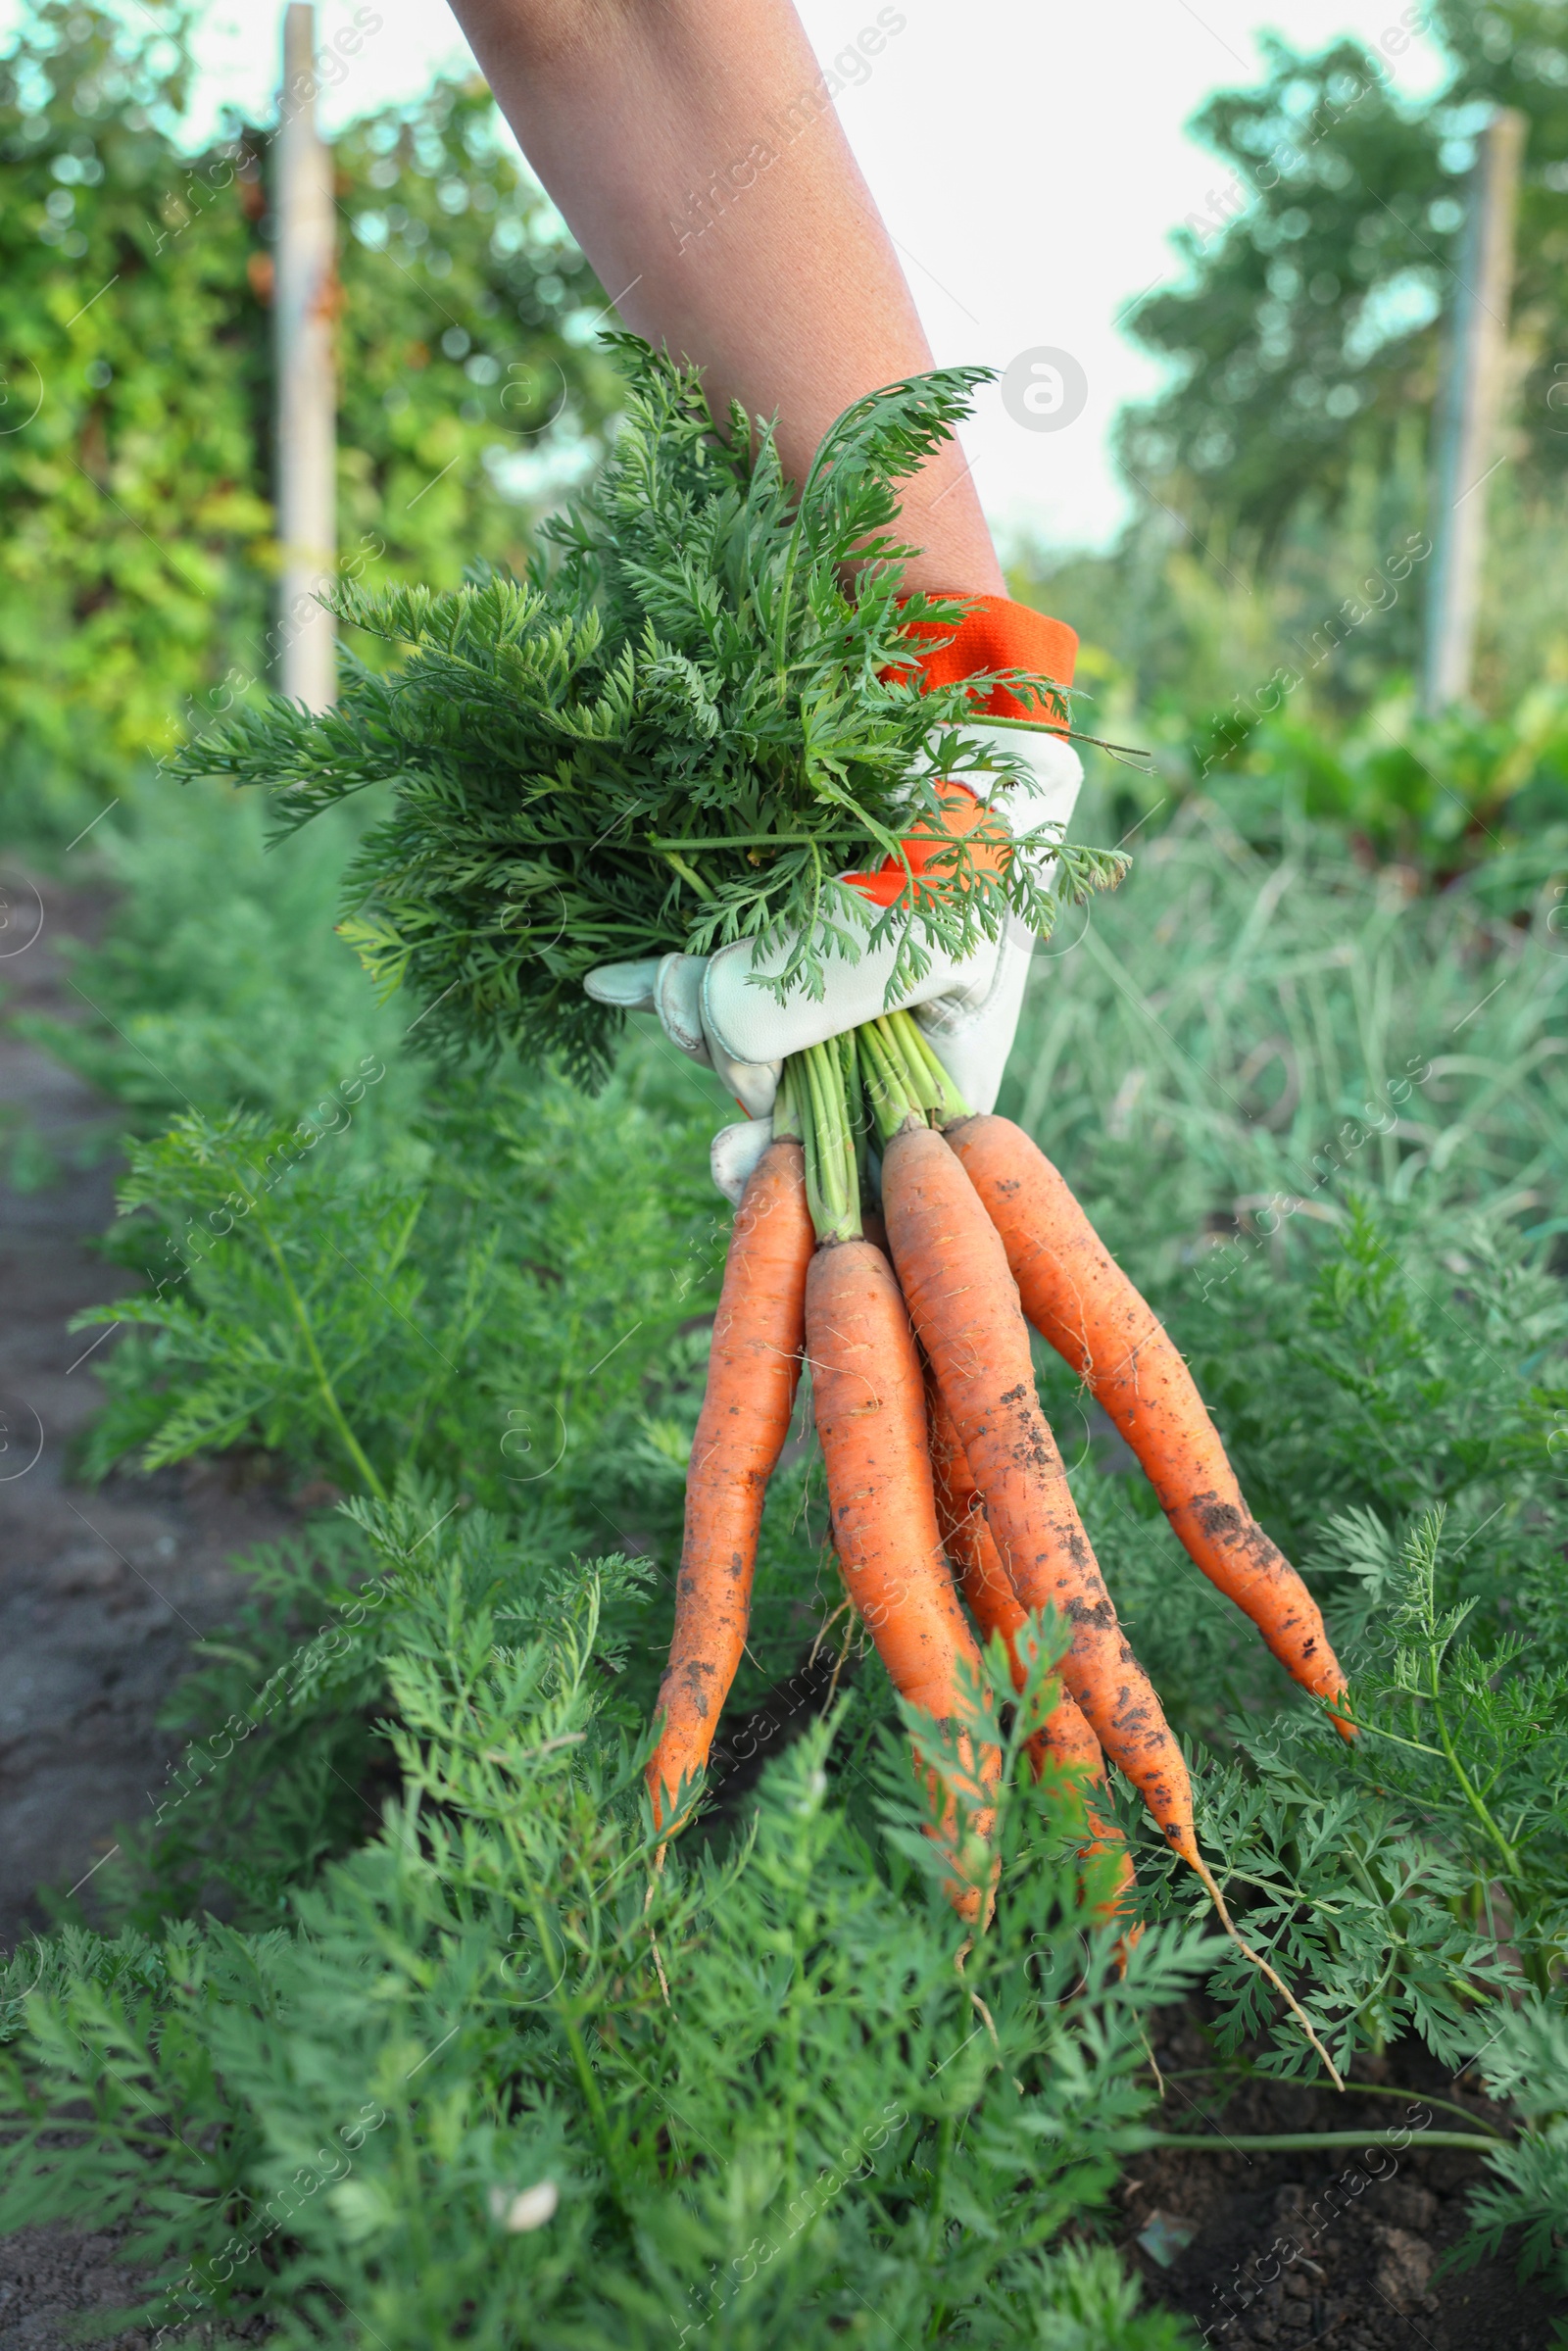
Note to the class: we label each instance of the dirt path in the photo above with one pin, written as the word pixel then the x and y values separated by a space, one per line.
pixel 104 1590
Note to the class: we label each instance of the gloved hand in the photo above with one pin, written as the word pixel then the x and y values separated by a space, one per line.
pixel 710 1009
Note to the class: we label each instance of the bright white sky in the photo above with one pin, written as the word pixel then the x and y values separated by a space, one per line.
pixel 1028 156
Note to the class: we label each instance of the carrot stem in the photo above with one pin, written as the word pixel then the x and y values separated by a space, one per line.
pixel 855 1110
pixel 911 1070
pixel 938 1092
pixel 786 1110
pixel 832 1178
pixel 893 1103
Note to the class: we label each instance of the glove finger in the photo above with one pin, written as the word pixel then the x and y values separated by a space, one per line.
pixel 734 1152
pixel 754 1084
pixel 677 1000
pixel 972 1037
pixel 744 1021
pixel 629 987
pixel 972 989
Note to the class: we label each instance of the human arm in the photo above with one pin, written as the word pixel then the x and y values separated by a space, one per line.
pixel 689 147
pixel 792 298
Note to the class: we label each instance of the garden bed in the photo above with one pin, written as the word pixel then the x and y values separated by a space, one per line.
pixel 1386 1364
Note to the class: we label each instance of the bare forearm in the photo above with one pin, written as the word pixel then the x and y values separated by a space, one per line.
pixel 646 119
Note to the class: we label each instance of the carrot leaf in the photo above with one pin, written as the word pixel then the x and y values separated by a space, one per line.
pixel 675 733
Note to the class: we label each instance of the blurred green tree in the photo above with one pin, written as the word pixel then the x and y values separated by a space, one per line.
pixel 135 448
pixel 1516 54
pixel 1307 336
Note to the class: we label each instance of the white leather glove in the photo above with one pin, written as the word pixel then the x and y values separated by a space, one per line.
pixel 712 1009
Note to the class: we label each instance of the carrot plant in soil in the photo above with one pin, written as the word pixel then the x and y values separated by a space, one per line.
pixel 595 2092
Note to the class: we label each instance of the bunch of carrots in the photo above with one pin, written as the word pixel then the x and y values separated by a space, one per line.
pixel 694 664
pixel 946 1487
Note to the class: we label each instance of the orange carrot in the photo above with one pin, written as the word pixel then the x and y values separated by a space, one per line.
pixel 870 1416
pixel 965 1307
pixel 983 1580
pixel 1078 1297
pixel 753 1368
pixel 1065 1736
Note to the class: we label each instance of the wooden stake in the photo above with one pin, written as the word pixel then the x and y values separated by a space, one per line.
pixel 304 287
pixel 1471 414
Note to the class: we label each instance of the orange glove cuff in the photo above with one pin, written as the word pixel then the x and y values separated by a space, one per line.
pixel 993 634
pixel 998 634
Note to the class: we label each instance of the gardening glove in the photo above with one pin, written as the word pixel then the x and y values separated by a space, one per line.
pixel 711 1008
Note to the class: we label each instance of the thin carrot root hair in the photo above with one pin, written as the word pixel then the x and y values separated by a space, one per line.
pixel 1195 1860
pixel 653 1876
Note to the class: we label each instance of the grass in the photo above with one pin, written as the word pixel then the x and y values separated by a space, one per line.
pixel 1256 1030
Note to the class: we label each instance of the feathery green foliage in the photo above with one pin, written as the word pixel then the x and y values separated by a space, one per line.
pixel 676 737
pixel 507 2080
pixel 1407 1877
pixel 1527 2062
pixel 450 1291
pixel 1387 1341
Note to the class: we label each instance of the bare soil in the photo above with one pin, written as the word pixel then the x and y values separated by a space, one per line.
pixel 1342 2247
pixel 104 1590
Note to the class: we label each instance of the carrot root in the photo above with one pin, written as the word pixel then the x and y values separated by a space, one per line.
pixel 1064 1738
pixel 1078 1297
pixel 753 1371
pixel 964 1306
pixel 870 1416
